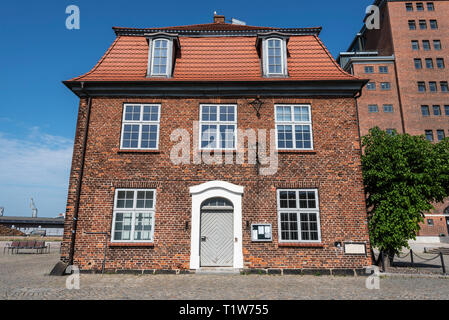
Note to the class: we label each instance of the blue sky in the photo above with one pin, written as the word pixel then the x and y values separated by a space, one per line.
pixel 38 113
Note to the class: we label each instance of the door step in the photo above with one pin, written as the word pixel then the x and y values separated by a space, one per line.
pixel 218 270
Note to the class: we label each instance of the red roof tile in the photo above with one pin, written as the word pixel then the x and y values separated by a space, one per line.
pixel 232 58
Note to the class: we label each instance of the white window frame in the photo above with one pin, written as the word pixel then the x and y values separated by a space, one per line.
pixel 217 123
pixel 266 69
pixel 298 212
pixel 140 123
pixel 168 71
pixel 293 123
pixel 133 212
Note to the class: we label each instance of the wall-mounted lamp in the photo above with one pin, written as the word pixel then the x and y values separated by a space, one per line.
pixel 257 105
pixel 187 225
pixel 247 225
pixel 337 244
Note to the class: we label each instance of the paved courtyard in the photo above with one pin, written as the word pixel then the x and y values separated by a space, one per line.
pixel 25 276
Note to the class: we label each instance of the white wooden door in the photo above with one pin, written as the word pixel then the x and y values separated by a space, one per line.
pixel 217 232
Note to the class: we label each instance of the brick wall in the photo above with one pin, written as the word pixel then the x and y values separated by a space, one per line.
pixel 334 168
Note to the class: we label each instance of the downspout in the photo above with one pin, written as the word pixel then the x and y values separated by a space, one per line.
pixel 80 178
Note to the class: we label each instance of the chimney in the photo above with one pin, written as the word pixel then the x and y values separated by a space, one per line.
pixel 218 18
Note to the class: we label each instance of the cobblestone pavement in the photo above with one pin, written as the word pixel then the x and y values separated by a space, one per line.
pixel 25 276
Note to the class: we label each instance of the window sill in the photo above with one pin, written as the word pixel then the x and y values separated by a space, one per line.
pixel 296 151
pixel 301 244
pixel 137 151
pixel 216 151
pixel 131 244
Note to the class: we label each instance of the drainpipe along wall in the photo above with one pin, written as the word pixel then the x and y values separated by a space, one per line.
pixel 80 181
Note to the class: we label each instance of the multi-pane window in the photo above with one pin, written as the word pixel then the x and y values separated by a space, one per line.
pixel 140 127
pixel 133 219
pixel 383 69
pixel 298 214
pixel 218 126
pixel 425 111
pixel 388 108
pixel 430 6
pixel 275 57
pixel 444 86
pixel 423 24
pixel 437 44
pixel 432 86
pixel 419 6
pixel 409 6
pixel 429 135
pixel 418 64
pixel 294 127
pixel 371 86
pixel 385 86
pixel 436 110
pixel 421 86
pixel 160 56
pixel 391 132
pixel 446 110
pixel 373 108
pixel 429 63
pixel 433 24
pixel 426 45
pixel 412 24
pixel 369 69
pixel 440 63
pixel 440 135
pixel 415 45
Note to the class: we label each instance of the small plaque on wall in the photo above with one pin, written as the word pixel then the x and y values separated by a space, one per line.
pixel 355 248
pixel 261 232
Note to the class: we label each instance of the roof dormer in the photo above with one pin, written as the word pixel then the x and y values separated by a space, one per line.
pixel 161 54
pixel 272 48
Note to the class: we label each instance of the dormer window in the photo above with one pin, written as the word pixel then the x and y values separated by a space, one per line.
pixel 161 53
pixel 274 56
pixel 159 57
pixel 273 52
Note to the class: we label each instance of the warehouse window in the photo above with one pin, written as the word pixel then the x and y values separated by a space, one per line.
pixel 293 127
pixel 436 110
pixel 140 126
pixel 429 135
pixel 373 108
pixel 388 108
pixel 425 111
pixel 298 215
pixel 418 64
pixel 133 217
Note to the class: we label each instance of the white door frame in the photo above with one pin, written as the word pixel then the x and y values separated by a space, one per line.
pixel 214 189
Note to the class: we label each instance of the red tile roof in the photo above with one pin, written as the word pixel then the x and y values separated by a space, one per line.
pixel 216 58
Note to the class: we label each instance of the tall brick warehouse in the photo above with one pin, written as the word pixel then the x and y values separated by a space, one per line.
pixel 172 172
pixel 406 62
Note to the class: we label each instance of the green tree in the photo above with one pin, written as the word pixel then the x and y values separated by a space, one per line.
pixel 403 176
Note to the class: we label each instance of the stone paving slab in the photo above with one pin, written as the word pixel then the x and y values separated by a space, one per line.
pixel 25 276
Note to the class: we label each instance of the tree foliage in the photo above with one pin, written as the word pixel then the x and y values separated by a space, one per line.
pixel 403 176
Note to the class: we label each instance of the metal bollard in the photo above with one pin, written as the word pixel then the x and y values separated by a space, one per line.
pixel 411 257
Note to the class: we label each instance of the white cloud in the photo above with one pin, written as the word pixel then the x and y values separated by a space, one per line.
pixel 38 167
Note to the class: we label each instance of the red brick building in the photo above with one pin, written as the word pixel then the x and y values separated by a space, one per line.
pixel 406 62
pixel 172 172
